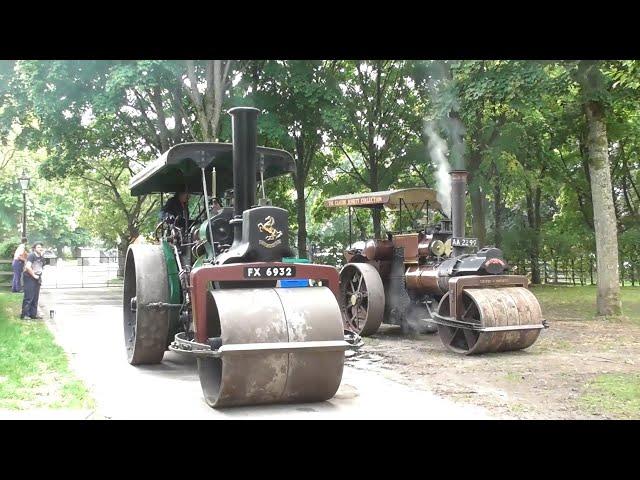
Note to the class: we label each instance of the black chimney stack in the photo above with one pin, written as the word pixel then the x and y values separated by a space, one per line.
pixel 244 126
pixel 458 191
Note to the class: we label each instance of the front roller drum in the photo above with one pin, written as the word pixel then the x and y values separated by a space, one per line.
pixel 489 308
pixel 252 323
pixel 145 283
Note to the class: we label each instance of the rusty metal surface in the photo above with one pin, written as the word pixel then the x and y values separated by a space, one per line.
pixel 378 249
pixel 200 278
pixel 422 278
pixel 423 246
pixel 513 312
pixel 269 316
pixel 458 284
pixel 146 328
pixel 362 298
pixel 458 192
pixel 408 241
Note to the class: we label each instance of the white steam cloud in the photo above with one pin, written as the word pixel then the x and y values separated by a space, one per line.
pixel 438 152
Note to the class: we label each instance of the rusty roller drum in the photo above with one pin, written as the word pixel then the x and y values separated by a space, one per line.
pixel 146 330
pixel 492 307
pixel 362 298
pixel 252 324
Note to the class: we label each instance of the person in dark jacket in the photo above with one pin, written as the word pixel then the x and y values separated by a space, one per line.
pixel 33 268
pixel 19 257
pixel 177 209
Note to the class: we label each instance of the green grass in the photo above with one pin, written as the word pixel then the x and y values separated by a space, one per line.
pixel 513 377
pixel 615 395
pixel 579 303
pixel 34 370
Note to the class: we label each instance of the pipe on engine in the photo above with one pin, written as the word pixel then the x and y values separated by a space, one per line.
pixel 244 121
pixel 244 126
pixel 458 191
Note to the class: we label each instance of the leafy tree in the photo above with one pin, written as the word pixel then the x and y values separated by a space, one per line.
pixel 296 98
pixel 101 121
pixel 594 93
pixel 378 117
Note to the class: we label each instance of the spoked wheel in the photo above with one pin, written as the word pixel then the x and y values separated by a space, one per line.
pixel 460 340
pixel 145 281
pixel 362 298
pixel 492 307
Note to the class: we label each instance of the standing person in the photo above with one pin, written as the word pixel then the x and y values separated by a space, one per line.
pixel 32 280
pixel 19 257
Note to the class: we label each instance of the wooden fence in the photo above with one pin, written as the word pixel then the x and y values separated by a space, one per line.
pixel 6 273
pixel 576 271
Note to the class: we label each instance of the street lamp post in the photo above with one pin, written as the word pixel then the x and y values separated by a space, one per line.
pixel 24 184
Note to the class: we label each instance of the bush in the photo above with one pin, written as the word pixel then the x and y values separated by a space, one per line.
pixel 8 247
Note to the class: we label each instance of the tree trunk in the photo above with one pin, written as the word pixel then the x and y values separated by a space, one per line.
pixel 497 212
pixel 477 211
pixel 604 217
pixel 302 220
pixel 375 212
pixel 478 200
pixel 122 253
pixel 534 221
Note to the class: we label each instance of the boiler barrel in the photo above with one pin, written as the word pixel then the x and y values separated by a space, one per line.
pixel 423 279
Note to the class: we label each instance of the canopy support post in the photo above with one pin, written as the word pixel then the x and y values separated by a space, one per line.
pixel 349 227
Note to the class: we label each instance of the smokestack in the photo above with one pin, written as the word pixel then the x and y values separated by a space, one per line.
pixel 245 138
pixel 458 191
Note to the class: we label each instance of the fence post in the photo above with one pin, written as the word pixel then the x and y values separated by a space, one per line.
pixel 633 274
pixel 544 264
pixel 591 269
pixel 582 271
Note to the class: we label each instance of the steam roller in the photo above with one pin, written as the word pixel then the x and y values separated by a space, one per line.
pixel 220 284
pixel 424 278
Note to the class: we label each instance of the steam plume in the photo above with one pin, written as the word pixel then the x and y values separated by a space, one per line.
pixel 438 151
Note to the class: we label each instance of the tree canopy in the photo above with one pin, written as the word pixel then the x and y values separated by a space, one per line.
pixel 523 129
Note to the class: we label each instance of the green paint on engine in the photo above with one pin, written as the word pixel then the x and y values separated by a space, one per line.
pixel 172 273
pixel 198 263
pixel 202 233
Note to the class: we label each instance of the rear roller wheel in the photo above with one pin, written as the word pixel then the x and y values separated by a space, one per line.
pixel 492 307
pixel 145 281
pixel 362 298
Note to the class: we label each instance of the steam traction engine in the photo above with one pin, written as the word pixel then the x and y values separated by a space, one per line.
pixel 423 280
pixel 210 287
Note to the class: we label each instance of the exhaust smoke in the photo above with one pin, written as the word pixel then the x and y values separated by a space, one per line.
pixel 438 152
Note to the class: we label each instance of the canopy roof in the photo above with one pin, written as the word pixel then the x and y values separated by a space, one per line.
pixel 179 168
pixel 390 199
